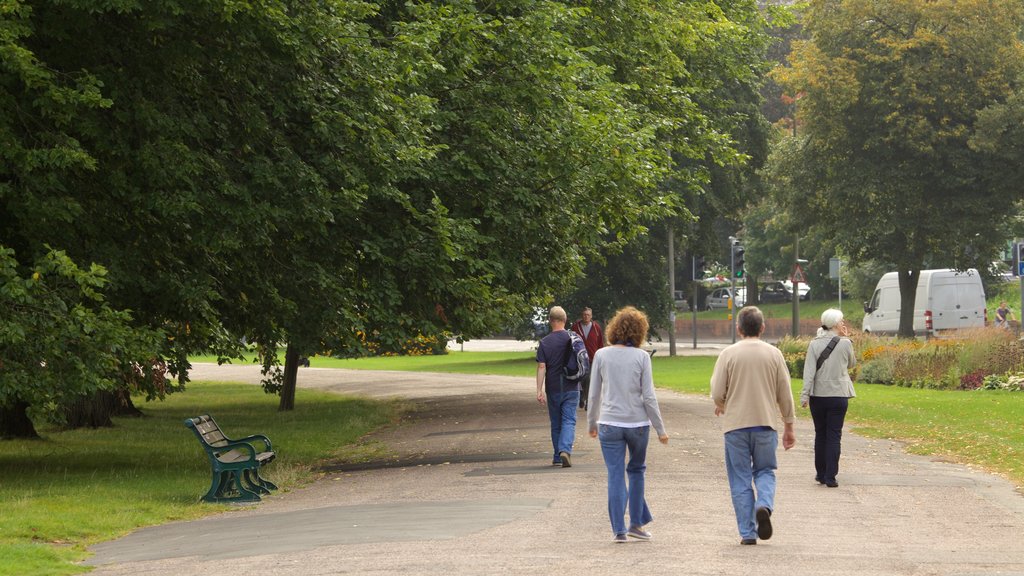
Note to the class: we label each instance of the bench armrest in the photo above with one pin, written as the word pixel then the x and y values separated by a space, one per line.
pixel 260 437
pixel 236 444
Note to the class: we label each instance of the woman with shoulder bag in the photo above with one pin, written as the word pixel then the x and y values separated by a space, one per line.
pixel 828 389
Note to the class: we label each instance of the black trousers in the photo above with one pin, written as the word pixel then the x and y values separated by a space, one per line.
pixel 828 413
pixel 584 390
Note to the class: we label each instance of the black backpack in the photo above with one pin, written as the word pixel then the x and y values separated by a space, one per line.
pixel 578 362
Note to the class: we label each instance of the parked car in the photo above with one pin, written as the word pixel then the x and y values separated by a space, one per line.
pixel 774 292
pixel 805 290
pixel 719 298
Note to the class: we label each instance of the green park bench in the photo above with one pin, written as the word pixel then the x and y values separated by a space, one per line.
pixel 235 463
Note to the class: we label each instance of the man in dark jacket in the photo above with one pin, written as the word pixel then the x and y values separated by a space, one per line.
pixel 593 337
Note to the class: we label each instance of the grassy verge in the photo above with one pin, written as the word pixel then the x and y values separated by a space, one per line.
pixel 79 487
pixel 981 427
pixel 501 363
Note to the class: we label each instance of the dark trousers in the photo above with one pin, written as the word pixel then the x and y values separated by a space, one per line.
pixel 584 390
pixel 828 413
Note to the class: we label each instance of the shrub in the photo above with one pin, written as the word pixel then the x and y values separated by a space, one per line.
pixel 973 380
pixel 877 371
pixel 924 367
pixel 1012 382
pixel 789 345
pixel 1005 357
pixel 795 363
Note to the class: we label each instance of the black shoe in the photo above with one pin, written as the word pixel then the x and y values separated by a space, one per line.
pixel 832 484
pixel 764 523
pixel 748 541
pixel 819 480
pixel 566 461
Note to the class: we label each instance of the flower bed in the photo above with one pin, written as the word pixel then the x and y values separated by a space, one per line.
pixel 985 358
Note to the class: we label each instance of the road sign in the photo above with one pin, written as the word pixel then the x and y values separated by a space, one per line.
pixel 1020 268
pixel 798 275
pixel 834 265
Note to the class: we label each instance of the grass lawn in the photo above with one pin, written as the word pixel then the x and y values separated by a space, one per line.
pixel 75 488
pixel 504 363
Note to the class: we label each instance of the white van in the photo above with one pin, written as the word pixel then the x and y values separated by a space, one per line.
pixel 946 300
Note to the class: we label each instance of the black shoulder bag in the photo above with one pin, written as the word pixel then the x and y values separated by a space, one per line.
pixel 826 353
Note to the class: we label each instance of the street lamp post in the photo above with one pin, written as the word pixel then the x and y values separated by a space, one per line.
pixel 732 286
pixel 793 281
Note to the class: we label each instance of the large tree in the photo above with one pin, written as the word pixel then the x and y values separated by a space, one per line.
pixel 212 159
pixel 60 342
pixel 890 95
pixel 334 176
pixel 695 69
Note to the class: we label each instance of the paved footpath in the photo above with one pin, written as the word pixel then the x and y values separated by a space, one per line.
pixel 469 490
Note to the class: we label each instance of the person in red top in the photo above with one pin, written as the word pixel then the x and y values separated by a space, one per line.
pixel 592 335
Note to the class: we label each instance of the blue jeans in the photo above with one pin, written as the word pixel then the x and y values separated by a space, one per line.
pixel 562 412
pixel 750 463
pixel 615 441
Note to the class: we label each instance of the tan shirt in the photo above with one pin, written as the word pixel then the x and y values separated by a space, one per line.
pixel 751 383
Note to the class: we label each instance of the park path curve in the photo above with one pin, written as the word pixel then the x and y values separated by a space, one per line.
pixel 469 491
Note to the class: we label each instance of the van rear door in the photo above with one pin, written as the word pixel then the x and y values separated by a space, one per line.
pixel 957 301
pixel 944 304
pixel 971 297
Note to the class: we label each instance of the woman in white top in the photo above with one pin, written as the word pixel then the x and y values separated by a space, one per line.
pixel 828 391
pixel 623 408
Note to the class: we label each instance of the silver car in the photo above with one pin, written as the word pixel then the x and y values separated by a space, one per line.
pixel 718 299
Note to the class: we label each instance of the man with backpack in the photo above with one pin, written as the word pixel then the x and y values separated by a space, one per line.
pixel 593 338
pixel 561 361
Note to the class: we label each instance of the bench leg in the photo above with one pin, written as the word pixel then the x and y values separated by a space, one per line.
pixel 218 483
pixel 225 484
pixel 258 483
pixel 244 493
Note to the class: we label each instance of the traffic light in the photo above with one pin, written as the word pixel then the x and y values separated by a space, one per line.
pixel 698 268
pixel 737 260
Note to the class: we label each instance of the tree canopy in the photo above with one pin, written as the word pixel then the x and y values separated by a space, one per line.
pixel 343 176
pixel 889 98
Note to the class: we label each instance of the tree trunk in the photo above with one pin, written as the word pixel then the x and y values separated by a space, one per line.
pixel 908 297
pixel 15 423
pixel 125 406
pixel 291 372
pixel 92 411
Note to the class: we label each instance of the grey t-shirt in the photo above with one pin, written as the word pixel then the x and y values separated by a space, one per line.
pixel 622 390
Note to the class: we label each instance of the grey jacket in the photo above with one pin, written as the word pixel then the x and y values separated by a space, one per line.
pixel 834 378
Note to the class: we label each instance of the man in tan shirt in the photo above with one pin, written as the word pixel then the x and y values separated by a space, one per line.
pixel 751 389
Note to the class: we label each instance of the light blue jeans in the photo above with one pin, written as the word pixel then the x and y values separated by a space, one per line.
pixel 750 464
pixel 562 412
pixel 615 442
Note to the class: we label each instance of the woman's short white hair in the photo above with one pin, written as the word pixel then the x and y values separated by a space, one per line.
pixel 831 317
